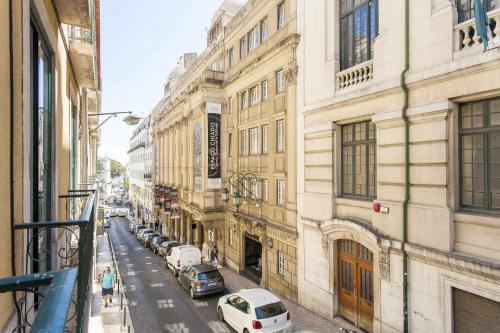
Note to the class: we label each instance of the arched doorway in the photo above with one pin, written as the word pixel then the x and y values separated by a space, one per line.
pixel 355 269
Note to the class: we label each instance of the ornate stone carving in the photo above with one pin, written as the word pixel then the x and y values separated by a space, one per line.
pixel 291 74
pixel 384 263
pixel 324 245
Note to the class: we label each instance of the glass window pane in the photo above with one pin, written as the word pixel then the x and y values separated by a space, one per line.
pixel 495 112
pixel 477 115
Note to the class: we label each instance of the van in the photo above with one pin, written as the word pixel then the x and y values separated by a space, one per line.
pixel 181 256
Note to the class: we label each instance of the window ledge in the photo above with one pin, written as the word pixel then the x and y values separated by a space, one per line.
pixel 354 202
pixel 478 218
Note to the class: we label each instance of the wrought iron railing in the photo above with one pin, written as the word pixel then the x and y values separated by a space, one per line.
pixel 57 301
pixel 80 34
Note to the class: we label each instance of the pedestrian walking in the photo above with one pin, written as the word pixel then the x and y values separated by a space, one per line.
pixel 213 256
pixel 107 285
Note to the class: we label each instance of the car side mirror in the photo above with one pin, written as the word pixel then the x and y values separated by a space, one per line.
pixel 228 301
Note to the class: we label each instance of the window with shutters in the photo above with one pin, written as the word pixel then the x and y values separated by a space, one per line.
pixel 265 133
pixel 280 136
pixel 254 141
pixel 265 90
pixel 280 81
pixel 254 95
pixel 280 192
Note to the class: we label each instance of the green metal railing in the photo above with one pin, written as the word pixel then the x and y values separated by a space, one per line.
pixel 48 298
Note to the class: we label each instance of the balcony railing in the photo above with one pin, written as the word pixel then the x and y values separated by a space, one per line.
pixel 57 301
pixel 355 75
pixel 80 34
pixel 465 32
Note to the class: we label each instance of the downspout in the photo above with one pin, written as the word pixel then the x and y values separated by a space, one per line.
pixel 407 162
pixel 11 166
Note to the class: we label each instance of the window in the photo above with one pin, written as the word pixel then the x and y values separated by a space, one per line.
pixel 243 142
pixel 254 141
pixel 244 100
pixel 280 192
pixel 254 189
pixel 280 132
pixel 254 95
pixel 215 65
pixel 359 160
pixel 265 131
pixel 281 263
pixel 281 15
pixel 229 144
pixel 280 82
pixel 465 8
pixel 230 57
pixel 264 190
pixel 231 236
pixel 474 313
pixel 253 38
pixel 265 90
pixel 229 105
pixel 263 30
pixel 480 155
pixel 358 29
pixel 243 48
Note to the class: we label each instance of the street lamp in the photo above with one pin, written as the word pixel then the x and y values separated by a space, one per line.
pixel 241 187
pixel 129 120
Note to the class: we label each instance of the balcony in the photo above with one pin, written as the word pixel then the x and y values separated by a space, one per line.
pixel 75 12
pixel 213 77
pixel 466 41
pixel 81 51
pixel 57 301
pixel 355 75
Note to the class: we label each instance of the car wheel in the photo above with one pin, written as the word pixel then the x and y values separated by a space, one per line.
pixel 245 331
pixel 220 313
pixel 191 293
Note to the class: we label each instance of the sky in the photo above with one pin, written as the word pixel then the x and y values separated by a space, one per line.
pixel 141 41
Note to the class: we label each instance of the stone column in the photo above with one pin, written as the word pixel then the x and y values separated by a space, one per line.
pixel 176 228
pixel 182 221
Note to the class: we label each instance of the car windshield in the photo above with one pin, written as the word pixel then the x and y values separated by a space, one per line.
pixel 270 310
pixel 208 275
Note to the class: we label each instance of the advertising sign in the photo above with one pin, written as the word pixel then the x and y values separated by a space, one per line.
pixel 214 180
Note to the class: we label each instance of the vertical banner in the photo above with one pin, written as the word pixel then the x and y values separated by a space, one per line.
pixel 214 180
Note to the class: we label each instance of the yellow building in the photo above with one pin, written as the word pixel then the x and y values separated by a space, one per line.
pixel 49 84
pixel 229 114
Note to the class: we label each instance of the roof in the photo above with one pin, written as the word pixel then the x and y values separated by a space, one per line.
pixel 202 268
pixel 258 296
pixel 227 6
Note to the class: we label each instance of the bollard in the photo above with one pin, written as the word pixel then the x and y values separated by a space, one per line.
pixel 128 330
pixel 124 316
pixel 119 286
pixel 121 301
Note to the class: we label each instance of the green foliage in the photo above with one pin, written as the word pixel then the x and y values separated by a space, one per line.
pixel 126 182
pixel 117 169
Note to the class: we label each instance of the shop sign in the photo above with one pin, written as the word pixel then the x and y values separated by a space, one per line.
pixel 214 180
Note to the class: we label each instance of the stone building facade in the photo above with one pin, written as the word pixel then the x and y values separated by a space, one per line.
pixel 399 167
pixel 247 74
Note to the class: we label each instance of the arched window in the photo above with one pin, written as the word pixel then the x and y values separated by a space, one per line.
pixel 197 157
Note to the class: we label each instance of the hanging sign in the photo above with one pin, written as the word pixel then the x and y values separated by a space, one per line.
pixel 214 180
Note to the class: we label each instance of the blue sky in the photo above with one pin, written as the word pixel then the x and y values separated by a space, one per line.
pixel 141 42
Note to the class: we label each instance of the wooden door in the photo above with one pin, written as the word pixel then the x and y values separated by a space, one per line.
pixel 355 271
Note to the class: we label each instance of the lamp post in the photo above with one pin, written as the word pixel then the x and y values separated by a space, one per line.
pixel 241 188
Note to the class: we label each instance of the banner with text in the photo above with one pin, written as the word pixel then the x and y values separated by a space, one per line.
pixel 214 180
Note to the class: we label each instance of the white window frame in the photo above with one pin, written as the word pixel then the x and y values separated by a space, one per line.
pixel 281 15
pixel 254 95
pixel 243 142
pixel 280 192
pixel 230 57
pixel 264 190
pixel 263 29
pixel 229 144
pixel 265 90
pixel 229 105
pixel 254 140
pixel 281 263
pixel 280 81
pixel 265 138
pixel 231 236
pixel 243 47
pixel 244 100
pixel 280 135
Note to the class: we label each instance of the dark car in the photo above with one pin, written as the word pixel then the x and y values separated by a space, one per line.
pixel 137 228
pixel 156 243
pixel 149 238
pixel 166 247
pixel 201 280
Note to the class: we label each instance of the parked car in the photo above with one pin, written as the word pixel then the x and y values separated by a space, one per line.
pixel 181 256
pixel 113 213
pixel 106 223
pixel 148 239
pixel 165 248
pixel 254 310
pixel 201 280
pixel 137 228
pixel 122 212
pixel 131 227
pixel 142 233
pixel 156 243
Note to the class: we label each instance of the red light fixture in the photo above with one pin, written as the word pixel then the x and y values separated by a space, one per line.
pixel 376 207
pixel 257 325
pixel 288 316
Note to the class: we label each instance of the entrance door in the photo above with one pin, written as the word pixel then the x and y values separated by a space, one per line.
pixel 253 258
pixel 356 284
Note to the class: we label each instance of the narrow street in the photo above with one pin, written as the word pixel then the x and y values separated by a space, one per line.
pixel 157 302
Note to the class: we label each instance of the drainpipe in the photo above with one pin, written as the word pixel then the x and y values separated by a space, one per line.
pixel 407 163
pixel 11 166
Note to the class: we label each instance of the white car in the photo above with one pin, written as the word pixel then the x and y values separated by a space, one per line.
pixel 182 256
pixel 123 212
pixel 254 311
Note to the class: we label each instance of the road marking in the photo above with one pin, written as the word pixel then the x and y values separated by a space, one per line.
pixel 218 327
pixel 177 328
pixel 165 303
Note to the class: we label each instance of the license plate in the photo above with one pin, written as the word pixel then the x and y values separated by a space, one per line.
pixel 212 284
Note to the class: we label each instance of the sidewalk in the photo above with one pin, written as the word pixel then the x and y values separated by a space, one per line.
pixel 303 319
pixel 105 320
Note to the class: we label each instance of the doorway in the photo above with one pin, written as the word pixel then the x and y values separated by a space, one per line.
pixel 253 258
pixel 355 269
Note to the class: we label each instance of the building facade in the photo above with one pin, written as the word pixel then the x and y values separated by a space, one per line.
pixel 246 77
pixel 397 134
pixel 49 92
pixel 139 156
